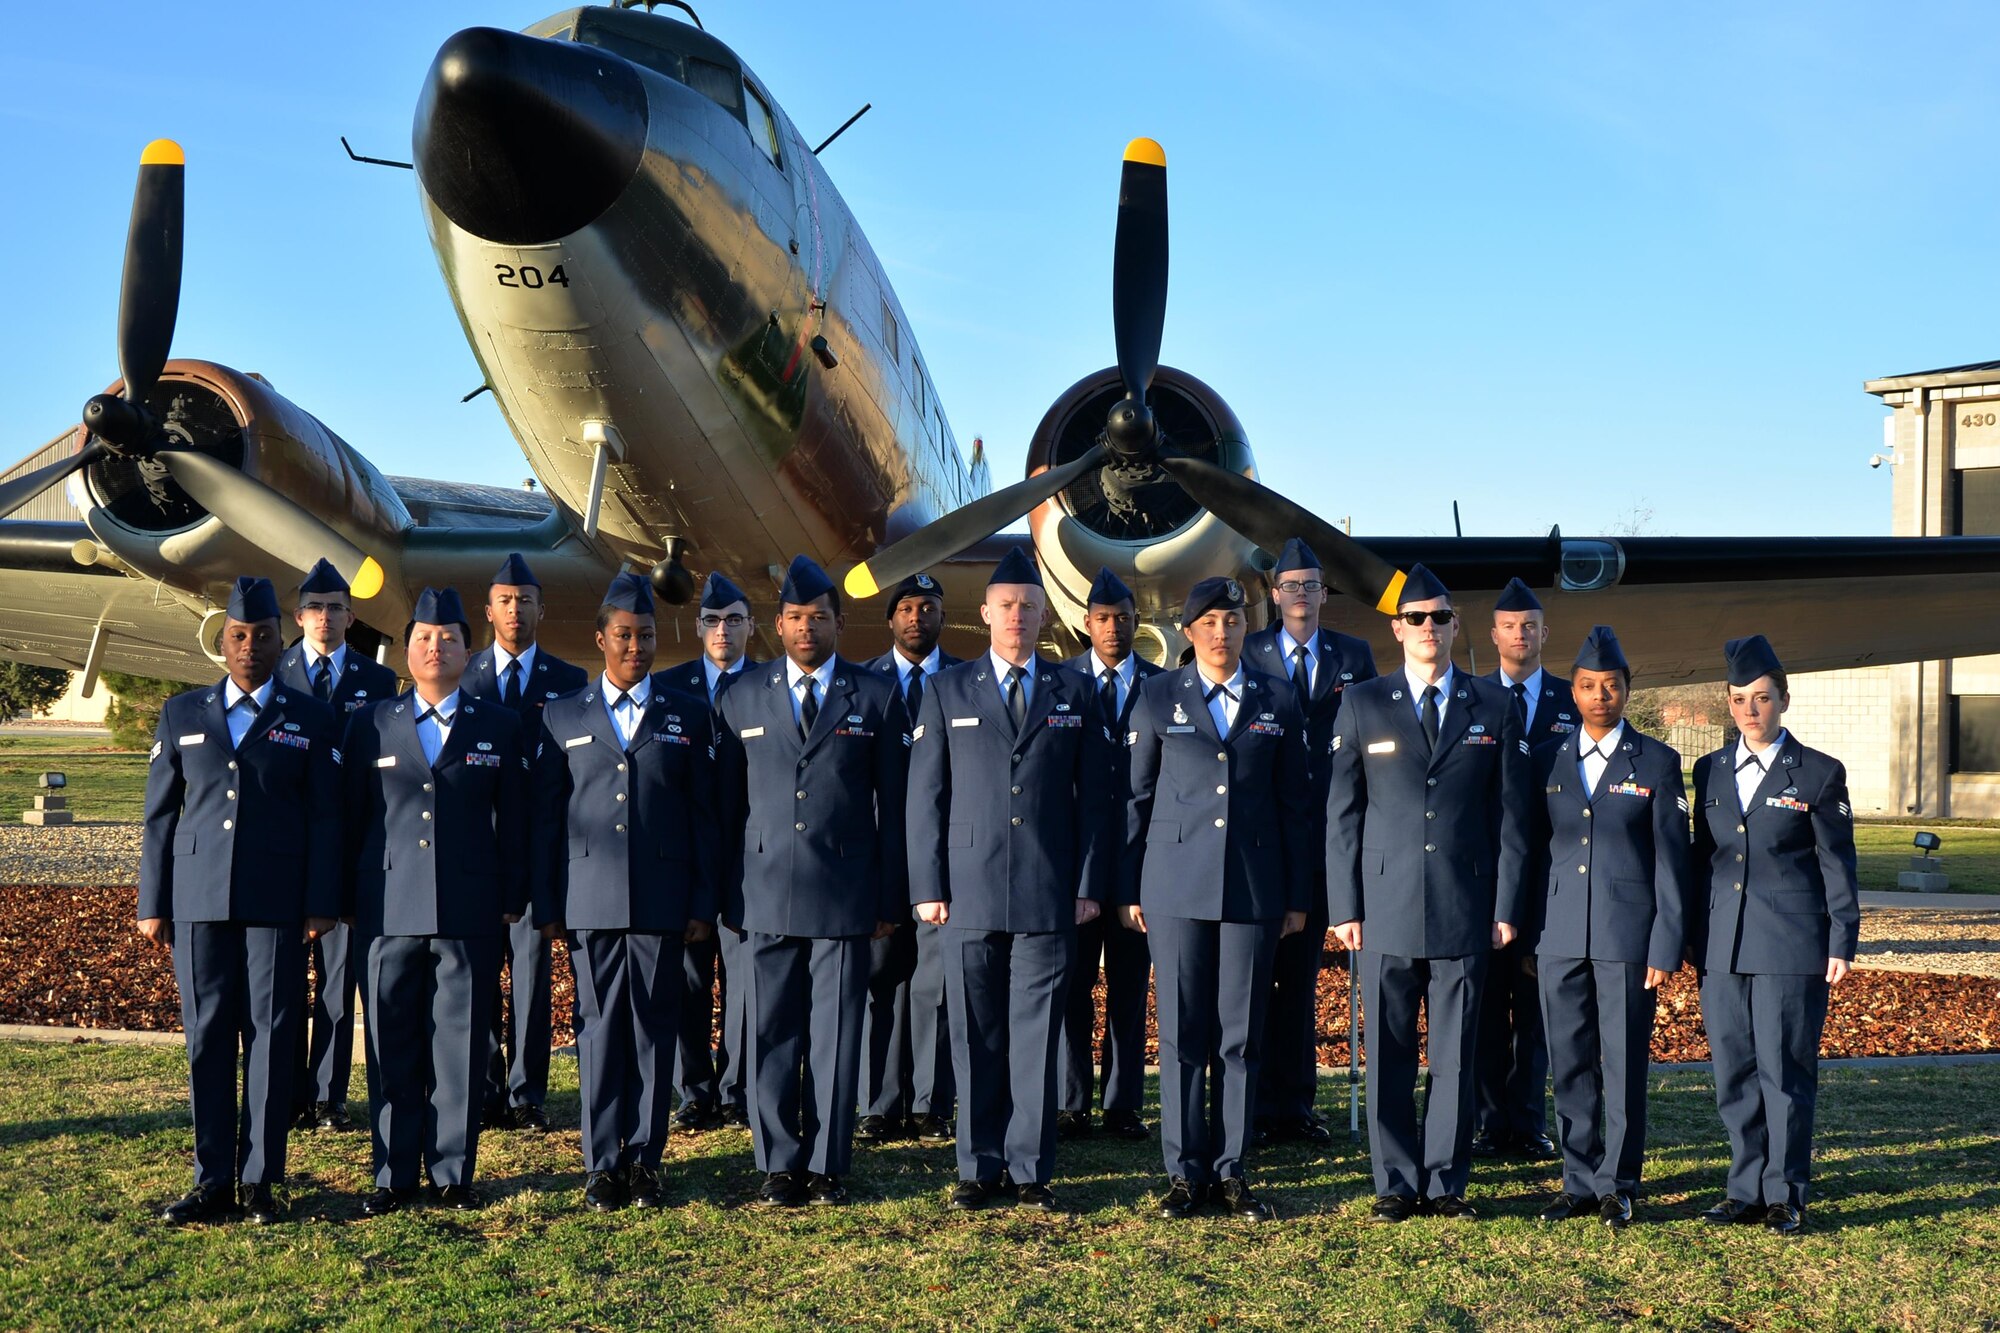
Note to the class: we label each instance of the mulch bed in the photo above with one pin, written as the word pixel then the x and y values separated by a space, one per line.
pixel 71 957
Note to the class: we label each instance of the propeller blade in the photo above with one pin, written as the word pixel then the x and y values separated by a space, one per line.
pixel 149 299
pixel 1270 520
pixel 1139 265
pixel 269 520
pixel 945 537
pixel 20 490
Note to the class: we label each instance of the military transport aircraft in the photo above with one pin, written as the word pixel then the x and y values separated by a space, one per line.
pixel 706 367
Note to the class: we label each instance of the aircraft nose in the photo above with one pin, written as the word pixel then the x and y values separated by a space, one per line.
pixel 522 140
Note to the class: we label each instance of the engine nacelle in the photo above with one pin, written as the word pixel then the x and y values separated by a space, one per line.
pixel 1135 520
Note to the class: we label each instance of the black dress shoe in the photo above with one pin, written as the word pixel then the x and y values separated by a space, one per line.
pixel 644 1187
pixel 1784 1219
pixel 496 1115
pixel 1180 1201
pixel 736 1116
pixel 260 1207
pixel 603 1192
pixel 1039 1198
pixel 825 1191
pixel 876 1129
pixel 1565 1206
pixel 781 1189
pixel 1309 1129
pixel 305 1116
pixel 332 1118
pixel 204 1203
pixel 1486 1144
pixel 1453 1206
pixel 1126 1125
pixel 1615 1211
pixel 1394 1208
pixel 694 1117
pixel 1072 1124
pixel 969 1196
pixel 1735 1212
pixel 1236 1199
pixel 458 1198
pixel 932 1128
pixel 530 1117
pixel 1534 1146
pixel 385 1201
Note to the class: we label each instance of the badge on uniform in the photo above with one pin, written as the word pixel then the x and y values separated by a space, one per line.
pixel 286 738
pixel 1788 803
pixel 156 752
pixel 483 746
pixel 671 736
pixel 1131 738
pixel 1065 720
pixel 1382 747
pixel 1187 730
pixel 1266 728
pixel 1477 736
pixel 1562 727
pixel 1180 714
pixel 483 760
pixel 858 733
pixel 291 726
pixel 918 733
pixel 1627 789
pixel 1845 813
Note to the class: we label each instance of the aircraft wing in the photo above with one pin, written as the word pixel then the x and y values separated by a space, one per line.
pixel 1824 602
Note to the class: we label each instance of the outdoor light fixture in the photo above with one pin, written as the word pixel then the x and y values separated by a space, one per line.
pixel 1927 842
pixel 52 781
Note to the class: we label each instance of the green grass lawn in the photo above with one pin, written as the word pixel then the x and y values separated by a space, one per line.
pixel 104 783
pixel 1971 854
pixel 93 1138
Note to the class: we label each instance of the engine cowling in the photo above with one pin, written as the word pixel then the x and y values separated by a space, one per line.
pixel 1134 519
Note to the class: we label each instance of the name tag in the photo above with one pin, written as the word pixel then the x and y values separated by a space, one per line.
pixel 1788 803
pixel 965 722
pixel 575 741
pixel 1065 720
pixel 1627 789
pixel 1382 747
pixel 386 761
pixel 750 733
pixel 483 760
pixel 1177 731
pixel 195 739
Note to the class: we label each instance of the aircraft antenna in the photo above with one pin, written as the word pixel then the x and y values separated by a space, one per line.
pixel 677 4
pixel 865 108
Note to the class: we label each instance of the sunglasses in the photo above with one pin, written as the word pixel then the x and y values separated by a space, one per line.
pixel 1443 617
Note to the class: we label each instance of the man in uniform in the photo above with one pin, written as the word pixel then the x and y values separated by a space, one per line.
pixel 1115 673
pixel 1009 849
pixel 813 754
pixel 437 844
pixel 1218 836
pixel 710 1080
pixel 1775 919
pixel 321 664
pixel 1613 826
pixel 1426 854
pixel 625 854
pixel 516 671
pixel 907 1087
pixel 1321 664
pixel 241 858
pixel 1513 1058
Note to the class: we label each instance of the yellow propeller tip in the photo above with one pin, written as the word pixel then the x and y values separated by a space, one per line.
pixel 367 581
pixel 163 153
pixel 1147 151
pixel 860 583
pixel 1390 595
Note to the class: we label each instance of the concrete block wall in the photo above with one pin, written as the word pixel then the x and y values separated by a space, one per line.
pixel 1847 714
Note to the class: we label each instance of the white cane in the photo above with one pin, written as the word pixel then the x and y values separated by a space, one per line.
pixel 1353 1050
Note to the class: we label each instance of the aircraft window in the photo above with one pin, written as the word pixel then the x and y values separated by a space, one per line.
pixel 891 340
pixel 717 84
pixel 763 126
pixel 631 48
pixel 920 392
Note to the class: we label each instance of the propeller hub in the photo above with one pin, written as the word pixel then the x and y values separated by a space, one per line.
pixel 126 427
pixel 1130 429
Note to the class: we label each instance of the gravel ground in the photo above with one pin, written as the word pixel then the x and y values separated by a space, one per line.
pixel 83 853
pixel 1931 940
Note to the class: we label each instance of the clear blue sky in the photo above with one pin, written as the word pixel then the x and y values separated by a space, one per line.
pixel 1564 263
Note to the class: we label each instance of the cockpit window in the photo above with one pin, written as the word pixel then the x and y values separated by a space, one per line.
pixel 763 125
pixel 715 82
pixel 644 40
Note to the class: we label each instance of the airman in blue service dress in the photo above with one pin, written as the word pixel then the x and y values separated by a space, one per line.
pixel 813 757
pixel 240 857
pixel 437 841
pixel 1775 920
pixel 524 678
pixel 1218 847
pixel 1321 664
pixel 1513 1057
pixel 907 1086
pixel 625 849
pixel 1613 835
pixel 1115 673
pixel 343 679
pixel 1009 839
pixel 1427 849
pixel 710 1077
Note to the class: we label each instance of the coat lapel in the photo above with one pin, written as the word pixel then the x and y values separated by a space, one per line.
pixel 459 739
pixel 1460 713
pixel 402 723
pixel 1041 699
pixel 833 707
pixel 986 698
pixel 649 720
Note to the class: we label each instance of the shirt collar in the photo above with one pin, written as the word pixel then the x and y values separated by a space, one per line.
pixel 447 707
pixel 501 657
pixel 711 673
pixel 1606 747
pixel 1287 644
pixel 640 694
pixel 1532 683
pixel 1234 684
pixel 1418 685
pixel 794 673
pixel 231 693
pixel 1767 757
pixel 904 666
pixel 1125 670
pixel 1001 666
pixel 336 660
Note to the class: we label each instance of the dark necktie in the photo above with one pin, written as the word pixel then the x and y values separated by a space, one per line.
pixel 248 703
pixel 1301 677
pixel 809 707
pixel 443 719
pixel 323 681
pixel 1428 713
pixel 1226 693
pixel 510 682
pixel 624 697
pixel 1521 705
pixel 915 694
pixel 1017 706
pixel 1107 695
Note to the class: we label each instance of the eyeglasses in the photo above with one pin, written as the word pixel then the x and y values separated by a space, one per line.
pixel 322 608
pixel 1296 585
pixel 1443 617
pixel 732 620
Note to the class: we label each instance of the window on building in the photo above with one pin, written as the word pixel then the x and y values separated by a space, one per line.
pixel 763 125
pixel 1975 733
pixel 1978 501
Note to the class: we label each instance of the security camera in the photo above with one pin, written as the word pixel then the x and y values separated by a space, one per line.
pixel 1877 460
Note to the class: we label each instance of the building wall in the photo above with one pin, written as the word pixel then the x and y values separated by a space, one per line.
pixel 1848 715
